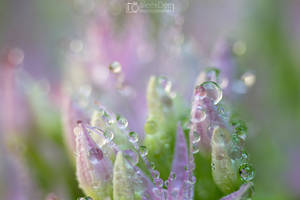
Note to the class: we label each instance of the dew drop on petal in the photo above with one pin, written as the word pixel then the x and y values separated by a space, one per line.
pixel 196 137
pixel 144 151
pixel 115 67
pixel 193 180
pixel 109 135
pixel 95 155
pixel 165 83
pixel 172 176
pixel 242 134
pixel 246 172
pixel 122 122
pixel 159 182
pixel 97 135
pixel 213 166
pixel 213 91
pixel 166 183
pixel 195 148
pixel 133 137
pixel 107 118
pixel 244 156
pixel 131 156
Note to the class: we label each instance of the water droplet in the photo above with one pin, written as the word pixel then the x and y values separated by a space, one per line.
pixel 213 166
pixel 187 126
pixel 167 183
pixel 236 139
pixel 97 135
pixel 95 155
pixel 131 156
pixel 196 137
pixel 109 135
pixel 195 147
pixel 246 172
pixel 239 125
pixel 144 151
pixel 242 135
pixel 172 176
pixel 198 114
pixel 150 127
pixel 133 137
pixel 213 91
pixel 159 182
pixel 115 67
pixel 244 156
pixel 122 122
pixel 191 181
pixel 106 117
pixel 165 83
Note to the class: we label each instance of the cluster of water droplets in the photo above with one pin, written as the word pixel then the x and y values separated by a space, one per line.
pixel 238 152
pixel 131 155
pixel 207 96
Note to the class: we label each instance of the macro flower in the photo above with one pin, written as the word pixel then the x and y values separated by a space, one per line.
pixel 114 162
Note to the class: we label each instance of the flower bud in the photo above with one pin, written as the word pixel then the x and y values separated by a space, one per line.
pixel 93 168
pixel 122 181
pixel 224 169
